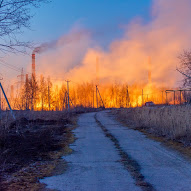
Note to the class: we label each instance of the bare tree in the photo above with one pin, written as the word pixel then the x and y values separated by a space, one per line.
pixel 15 15
pixel 34 88
pixel 185 67
pixel 43 92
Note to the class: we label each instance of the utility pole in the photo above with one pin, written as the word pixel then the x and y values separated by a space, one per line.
pixel 96 97
pixel 166 99
pixel 142 98
pixel 27 92
pixel 68 81
pixel 127 97
pixel 48 97
pixel 49 93
pixel 93 99
pixel 65 101
pixel 101 98
pixel 21 76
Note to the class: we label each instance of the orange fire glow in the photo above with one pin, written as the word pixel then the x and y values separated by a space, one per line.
pixel 124 74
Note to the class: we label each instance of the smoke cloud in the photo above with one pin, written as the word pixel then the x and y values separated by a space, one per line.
pixel 73 36
pixel 162 40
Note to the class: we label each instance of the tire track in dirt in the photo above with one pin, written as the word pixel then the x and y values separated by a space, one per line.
pixel 128 162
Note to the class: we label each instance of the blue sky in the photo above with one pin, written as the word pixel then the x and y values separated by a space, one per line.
pixel 58 17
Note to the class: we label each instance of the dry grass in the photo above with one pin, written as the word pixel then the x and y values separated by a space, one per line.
pixel 32 116
pixel 172 122
pixel 31 146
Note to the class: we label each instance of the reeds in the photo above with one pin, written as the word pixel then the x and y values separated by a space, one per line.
pixel 173 122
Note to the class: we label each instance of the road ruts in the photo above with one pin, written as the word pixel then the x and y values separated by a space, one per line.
pixel 94 164
pixel 163 168
pixel 129 163
pixel 111 157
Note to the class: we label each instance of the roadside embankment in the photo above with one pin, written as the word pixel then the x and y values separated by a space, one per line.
pixel 32 146
pixel 170 122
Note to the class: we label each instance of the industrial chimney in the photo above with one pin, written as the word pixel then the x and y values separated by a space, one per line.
pixel 33 65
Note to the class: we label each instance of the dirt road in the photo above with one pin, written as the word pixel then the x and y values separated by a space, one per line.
pixel 109 156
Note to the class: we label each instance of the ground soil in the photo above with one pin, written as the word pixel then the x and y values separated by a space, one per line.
pixel 31 150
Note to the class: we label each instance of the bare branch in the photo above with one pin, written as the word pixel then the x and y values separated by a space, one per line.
pixel 185 64
pixel 183 73
pixel 15 15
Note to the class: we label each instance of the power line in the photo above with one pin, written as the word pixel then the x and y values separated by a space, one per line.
pixel 13 66
pixel 10 66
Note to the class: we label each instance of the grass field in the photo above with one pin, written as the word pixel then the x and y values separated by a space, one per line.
pixel 172 122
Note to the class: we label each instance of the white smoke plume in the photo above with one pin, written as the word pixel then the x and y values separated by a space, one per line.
pixel 73 36
pixel 162 39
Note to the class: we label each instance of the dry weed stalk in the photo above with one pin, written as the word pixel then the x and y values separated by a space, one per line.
pixel 173 122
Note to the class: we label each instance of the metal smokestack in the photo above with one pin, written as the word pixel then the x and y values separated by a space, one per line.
pixel 33 65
